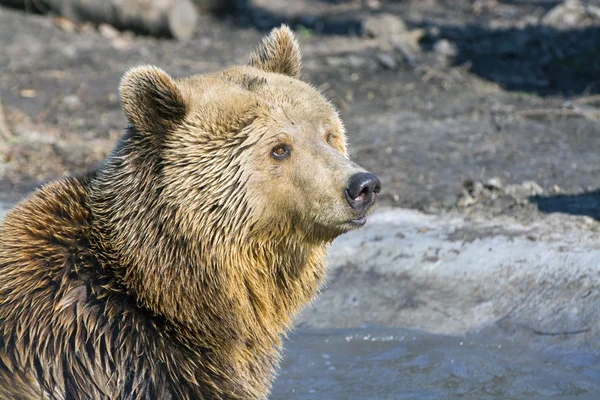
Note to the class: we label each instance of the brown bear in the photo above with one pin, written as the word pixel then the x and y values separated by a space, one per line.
pixel 174 269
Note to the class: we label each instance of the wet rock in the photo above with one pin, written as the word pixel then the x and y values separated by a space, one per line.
pixel 584 110
pixel 469 194
pixel 410 40
pixel 524 190
pixel 28 93
pixel 481 6
pixel 86 27
pixel 445 48
pixel 335 61
pixel 393 35
pixel 69 51
pixel 387 61
pixel 373 4
pixel 494 184
pixel 72 102
pixel 383 25
pixel 122 43
pixel 474 192
pixel 571 14
pixel 65 24
pixel 432 32
pixel 356 61
pixel 108 31
pixel 406 55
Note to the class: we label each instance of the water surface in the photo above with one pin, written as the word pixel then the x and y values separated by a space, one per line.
pixel 377 363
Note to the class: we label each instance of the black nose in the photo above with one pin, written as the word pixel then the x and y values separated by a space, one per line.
pixel 361 190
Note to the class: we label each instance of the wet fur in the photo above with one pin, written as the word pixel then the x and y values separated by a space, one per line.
pixel 165 274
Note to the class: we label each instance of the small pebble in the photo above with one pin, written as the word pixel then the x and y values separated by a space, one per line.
pixel 445 47
pixel 387 61
pixel 108 31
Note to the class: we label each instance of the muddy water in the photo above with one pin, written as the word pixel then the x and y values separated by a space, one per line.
pixel 376 363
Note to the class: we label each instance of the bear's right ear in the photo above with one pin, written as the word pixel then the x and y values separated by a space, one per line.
pixel 151 100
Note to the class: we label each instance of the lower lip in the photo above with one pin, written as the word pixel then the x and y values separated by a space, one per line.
pixel 359 221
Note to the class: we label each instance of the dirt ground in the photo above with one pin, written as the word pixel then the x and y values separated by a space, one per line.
pixel 485 107
pixel 447 274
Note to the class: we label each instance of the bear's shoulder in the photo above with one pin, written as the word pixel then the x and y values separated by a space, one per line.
pixel 55 214
pixel 62 312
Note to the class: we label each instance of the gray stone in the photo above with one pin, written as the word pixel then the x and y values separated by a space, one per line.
pixel 72 101
pixel 383 25
pixel 445 48
pixel 571 14
pixel 387 61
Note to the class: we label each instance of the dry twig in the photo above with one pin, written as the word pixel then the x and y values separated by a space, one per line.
pixel 579 109
pixel 563 333
pixel 5 132
pixel 446 80
pixel 536 112
pixel 587 99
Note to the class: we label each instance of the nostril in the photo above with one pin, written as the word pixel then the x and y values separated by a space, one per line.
pixel 365 192
pixel 361 190
pixel 377 187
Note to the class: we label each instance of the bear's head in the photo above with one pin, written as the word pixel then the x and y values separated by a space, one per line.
pixel 249 150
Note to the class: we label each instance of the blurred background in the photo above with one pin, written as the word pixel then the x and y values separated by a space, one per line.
pixel 451 102
pixel 484 109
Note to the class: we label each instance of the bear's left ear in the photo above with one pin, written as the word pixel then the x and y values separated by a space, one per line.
pixel 279 52
pixel 151 100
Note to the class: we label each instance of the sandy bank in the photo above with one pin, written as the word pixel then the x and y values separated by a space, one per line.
pixel 452 274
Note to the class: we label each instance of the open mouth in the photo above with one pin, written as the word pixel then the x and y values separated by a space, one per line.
pixel 359 221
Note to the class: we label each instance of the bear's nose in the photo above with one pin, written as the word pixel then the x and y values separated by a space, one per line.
pixel 361 190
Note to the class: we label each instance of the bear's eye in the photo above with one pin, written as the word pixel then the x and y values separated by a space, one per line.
pixel 280 152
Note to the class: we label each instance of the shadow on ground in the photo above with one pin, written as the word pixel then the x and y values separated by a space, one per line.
pixel 587 204
pixel 537 59
pixel 319 24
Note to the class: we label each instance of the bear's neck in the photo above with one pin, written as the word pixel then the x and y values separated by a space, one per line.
pixel 217 288
pixel 227 290
pixel 235 302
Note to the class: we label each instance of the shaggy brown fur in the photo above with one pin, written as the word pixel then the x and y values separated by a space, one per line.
pixel 173 270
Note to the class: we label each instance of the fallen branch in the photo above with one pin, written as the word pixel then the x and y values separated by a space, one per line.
pixel 576 110
pixel 406 55
pixel 172 18
pixel 429 73
pixel 587 99
pixel 5 132
pixel 545 111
